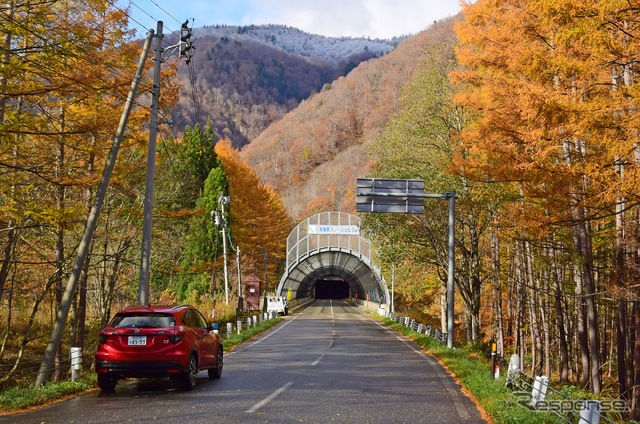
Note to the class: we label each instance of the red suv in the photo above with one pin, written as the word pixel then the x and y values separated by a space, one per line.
pixel 158 341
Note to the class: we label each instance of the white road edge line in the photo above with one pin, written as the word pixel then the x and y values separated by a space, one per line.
pixel 268 399
pixel 268 335
pixel 453 391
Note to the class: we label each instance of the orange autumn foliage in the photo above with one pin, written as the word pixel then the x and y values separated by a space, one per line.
pixel 258 220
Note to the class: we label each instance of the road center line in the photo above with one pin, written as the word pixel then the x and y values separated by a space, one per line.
pixel 268 399
pixel 317 360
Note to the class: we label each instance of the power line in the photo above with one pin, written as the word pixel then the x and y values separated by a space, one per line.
pixel 158 6
pixel 128 14
pixel 69 53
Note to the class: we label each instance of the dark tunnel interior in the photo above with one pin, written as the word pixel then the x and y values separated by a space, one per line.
pixel 332 289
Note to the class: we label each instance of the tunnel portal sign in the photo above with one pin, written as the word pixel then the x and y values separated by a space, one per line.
pixel 345 230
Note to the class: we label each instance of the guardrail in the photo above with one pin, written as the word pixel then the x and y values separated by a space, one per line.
pixel 534 393
pixel 68 363
pixel 415 326
pixel 251 321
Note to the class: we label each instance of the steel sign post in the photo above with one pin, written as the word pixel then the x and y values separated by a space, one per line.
pixel 452 253
pixel 407 196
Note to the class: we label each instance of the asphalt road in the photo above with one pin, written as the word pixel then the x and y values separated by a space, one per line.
pixel 330 363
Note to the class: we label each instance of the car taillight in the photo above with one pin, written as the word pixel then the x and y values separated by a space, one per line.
pixel 177 336
pixel 104 335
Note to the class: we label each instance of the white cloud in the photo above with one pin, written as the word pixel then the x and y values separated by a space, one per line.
pixel 374 18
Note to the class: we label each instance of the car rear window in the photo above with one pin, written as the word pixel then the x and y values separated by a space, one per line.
pixel 143 320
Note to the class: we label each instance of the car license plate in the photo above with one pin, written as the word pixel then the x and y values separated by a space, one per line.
pixel 137 340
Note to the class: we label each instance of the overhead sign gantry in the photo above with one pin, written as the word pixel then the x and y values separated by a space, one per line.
pixel 407 196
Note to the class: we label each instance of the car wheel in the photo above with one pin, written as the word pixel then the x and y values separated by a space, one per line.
pixel 190 376
pixel 217 371
pixel 106 382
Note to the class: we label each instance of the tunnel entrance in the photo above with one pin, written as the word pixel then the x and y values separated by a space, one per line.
pixel 331 289
pixel 329 258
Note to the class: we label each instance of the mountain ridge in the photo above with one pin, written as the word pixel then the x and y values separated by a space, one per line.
pixel 292 40
pixel 246 77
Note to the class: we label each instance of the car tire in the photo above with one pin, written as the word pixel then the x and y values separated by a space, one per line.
pixel 188 379
pixel 217 371
pixel 107 382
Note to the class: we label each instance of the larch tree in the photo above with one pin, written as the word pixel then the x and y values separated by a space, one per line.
pixel 259 224
pixel 555 122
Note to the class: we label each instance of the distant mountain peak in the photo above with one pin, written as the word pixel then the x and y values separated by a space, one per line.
pixel 315 48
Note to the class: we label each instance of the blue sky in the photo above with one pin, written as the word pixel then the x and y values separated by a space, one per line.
pixel 355 18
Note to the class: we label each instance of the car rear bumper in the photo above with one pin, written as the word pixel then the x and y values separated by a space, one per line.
pixel 140 369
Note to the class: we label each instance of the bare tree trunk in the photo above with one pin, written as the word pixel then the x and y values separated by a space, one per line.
pixel 80 313
pixel 536 340
pixel 621 335
pixel 635 401
pixel 10 240
pixel 6 256
pixel 592 312
pixel 563 360
pixel 60 254
pixel 7 332
pixel 581 330
pixel 635 364
pixel 545 315
pixel 520 308
pixel 495 255
pixel 621 322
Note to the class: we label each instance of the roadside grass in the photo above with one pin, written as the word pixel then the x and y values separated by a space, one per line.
pixel 236 339
pixel 25 395
pixel 472 371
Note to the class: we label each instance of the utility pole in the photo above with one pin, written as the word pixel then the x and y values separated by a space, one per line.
pixel 83 248
pixel 147 222
pixel 223 200
pixel 266 273
pixel 240 305
pixel 184 48
pixel 266 279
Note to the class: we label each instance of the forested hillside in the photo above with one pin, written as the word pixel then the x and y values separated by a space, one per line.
pixel 313 155
pixel 245 78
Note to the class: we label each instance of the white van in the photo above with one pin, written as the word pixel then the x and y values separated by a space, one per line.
pixel 277 304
